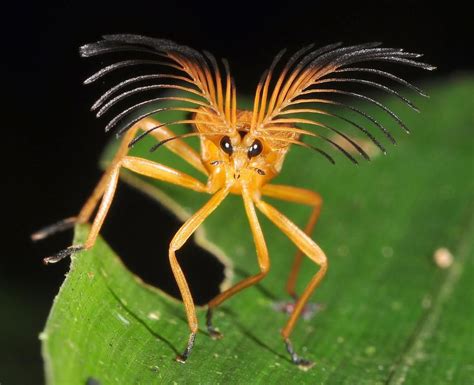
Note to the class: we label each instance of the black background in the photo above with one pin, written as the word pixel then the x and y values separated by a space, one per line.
pixel 52 142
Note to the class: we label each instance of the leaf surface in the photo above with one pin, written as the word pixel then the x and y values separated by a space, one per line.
pixel 389 314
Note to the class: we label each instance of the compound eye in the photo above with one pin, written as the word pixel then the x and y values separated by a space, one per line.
pixel 255 149
pixel 226 145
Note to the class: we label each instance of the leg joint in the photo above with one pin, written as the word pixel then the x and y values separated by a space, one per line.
pixel 264 269
pixel 323 262
pixel 316 199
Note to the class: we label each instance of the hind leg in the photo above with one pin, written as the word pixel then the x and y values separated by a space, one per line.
pixel 314 252
pixel 302 196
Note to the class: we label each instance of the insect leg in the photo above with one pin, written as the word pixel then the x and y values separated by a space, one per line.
pixel 314 252
pixel 179 239
pixel 140 166
pixel 263 262
pixel 303 196
pixel 100 188
pixel 92 201
pixel 178 146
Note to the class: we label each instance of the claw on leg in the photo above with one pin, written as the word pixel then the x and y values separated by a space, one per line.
pixel 181 358
pixel 213 332
pixel 63 254
pixel 302 363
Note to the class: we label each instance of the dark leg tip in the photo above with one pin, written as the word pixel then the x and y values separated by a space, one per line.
pixel 214 333
pixel 62 254
pixel 57 227
pixel 181 359
pixel 302 363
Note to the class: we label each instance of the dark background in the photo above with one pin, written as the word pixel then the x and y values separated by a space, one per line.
pixel 52 142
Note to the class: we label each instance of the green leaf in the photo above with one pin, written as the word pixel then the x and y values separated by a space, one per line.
pixel 390 314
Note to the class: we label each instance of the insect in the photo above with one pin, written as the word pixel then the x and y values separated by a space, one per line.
pixel 241 151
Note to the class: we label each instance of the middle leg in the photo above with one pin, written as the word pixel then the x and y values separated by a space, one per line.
pixel 263 262
pixel 303 196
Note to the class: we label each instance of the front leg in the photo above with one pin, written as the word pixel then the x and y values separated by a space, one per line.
pixel 140 166
pixel 263 263
pixel 179 239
